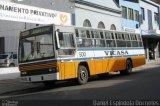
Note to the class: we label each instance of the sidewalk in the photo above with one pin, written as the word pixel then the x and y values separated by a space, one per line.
pixel 150 64
pixel 9 73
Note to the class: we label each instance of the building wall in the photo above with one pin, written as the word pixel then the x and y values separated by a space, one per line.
pixel 95 15
pixel 149 5
pixel 126 22
pixel 10 31
pixel 108 3
pixel 151 38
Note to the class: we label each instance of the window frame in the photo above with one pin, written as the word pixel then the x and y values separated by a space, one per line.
pixel 143 13
pixel 136 15
pixel 130 14
pixel 124 12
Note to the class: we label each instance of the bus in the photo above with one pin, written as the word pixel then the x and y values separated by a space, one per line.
pixel 55 52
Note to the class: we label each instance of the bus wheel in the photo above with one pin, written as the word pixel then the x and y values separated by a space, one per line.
pixel 49 83
pixel 128 69
pixel 82 75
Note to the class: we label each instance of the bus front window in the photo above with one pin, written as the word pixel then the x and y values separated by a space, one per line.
pixel 36 47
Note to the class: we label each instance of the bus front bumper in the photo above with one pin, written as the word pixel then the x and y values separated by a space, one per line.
pixel 40 78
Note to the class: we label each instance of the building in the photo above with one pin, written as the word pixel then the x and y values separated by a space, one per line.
pixel 150 28
pixel 142 16
pixel 84 13
pixel 98 14
pixel 130 15
pixel 10 30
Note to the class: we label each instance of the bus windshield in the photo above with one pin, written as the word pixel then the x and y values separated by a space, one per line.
pixel 36 47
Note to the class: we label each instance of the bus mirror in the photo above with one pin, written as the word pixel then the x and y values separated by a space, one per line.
pixel 57 39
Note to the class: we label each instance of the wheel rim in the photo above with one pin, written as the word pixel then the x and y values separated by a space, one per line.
pixel 129 67
pixel 83 75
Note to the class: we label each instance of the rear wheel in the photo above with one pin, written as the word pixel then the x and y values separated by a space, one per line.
pixel 128 69
pixel 82 75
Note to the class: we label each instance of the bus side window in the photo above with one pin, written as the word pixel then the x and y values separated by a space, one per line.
pixel 116 35
pixel 139 41
pixel 127 39
pixel 120 40
pixel 112 36
pixel 96 34
pixel 83 33
pixel 110 42
pixel 134 40
pixel 77 34
pixel 101 34
pixel 88 34
pixel 107 35
pixel 60 34
pixel 92 34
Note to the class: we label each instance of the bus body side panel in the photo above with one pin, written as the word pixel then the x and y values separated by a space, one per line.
pixel 91 65
pixel 67 70
pixel 99 66
pixel 116 64
pixel 61 68
pixel 105 63
pixel 138 61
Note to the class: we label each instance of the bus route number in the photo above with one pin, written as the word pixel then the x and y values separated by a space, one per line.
pixel 82 54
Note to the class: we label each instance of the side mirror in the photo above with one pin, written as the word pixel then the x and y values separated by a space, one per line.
pixel 57 39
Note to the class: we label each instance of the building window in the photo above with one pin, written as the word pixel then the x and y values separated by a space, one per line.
pixel 136 15
pixel 101 25
pixel 150 20
pixel 155 17
pixel 130 13
pixel 113 27
pixel 124 12
pixel 143 13
pixel 2 45
pixel 87 23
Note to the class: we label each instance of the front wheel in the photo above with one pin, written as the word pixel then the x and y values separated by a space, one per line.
pixel 82 75
pixel 128 69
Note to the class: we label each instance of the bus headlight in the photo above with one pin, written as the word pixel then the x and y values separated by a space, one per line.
pixel 52 69
pixel 23 73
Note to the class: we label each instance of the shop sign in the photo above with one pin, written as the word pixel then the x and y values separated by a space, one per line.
pixel 30 14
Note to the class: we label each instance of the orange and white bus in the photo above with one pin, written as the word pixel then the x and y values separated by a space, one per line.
pixel 51 53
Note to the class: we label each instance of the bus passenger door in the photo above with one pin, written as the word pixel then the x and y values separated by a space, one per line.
pixel 66 51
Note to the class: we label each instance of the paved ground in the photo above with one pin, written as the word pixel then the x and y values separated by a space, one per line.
pixel 15 84
pixel 142 84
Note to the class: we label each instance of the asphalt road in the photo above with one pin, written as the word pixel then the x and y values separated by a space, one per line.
pixel 142 84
